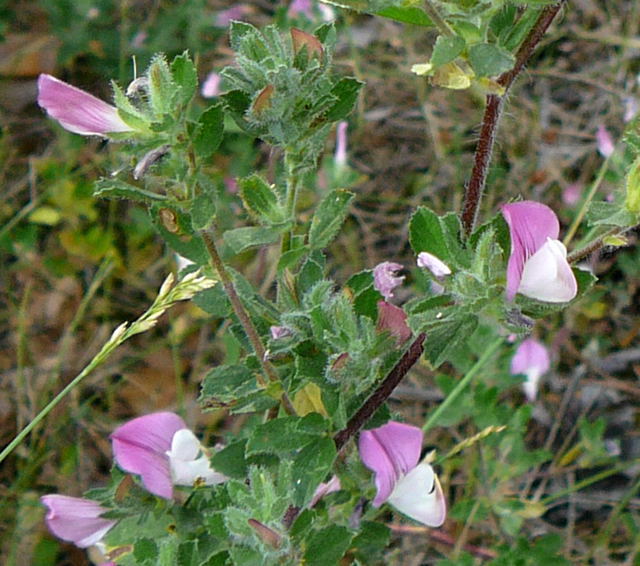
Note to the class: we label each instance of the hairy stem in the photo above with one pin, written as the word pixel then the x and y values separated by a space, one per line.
pixel 245 319
pixel 381 394
pixel 443 27
pixel 597 244
pixel 493 110
pixel 293 181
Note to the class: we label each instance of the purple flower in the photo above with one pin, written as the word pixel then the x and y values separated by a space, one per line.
pixel 531 359
pixel 77 110
pixel 394 320
pixel 75 519
pixel 538 266
pixel 211 85
pixel 384 279
pixel 392 452
pixel 300 7
pixel 604 141
pixel 434 264
pixel 164 452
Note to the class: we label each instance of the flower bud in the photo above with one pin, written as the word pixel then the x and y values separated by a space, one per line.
pixel 632 200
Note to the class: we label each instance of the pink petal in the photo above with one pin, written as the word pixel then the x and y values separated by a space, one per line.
pixel 140 447
pixel 530 224
pixel 211 85
pixel 384 279
pixel 77 110
pixel 434 264
pixel 278 332
pixel 531 359
pixel 604 141
pixel 75 519
pixel 394 320
pixel 572 193
pixel 390 451
pixel 325 488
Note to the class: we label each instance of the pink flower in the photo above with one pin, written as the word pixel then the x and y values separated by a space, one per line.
pixel 384 279
pixel 630 108
pixel 531 359
pixel 394 320
pixel 211 85
pixel 325 488
pixel 278 332
pixel 225 17
pixel 572 193
pixel 604 141
pixel 392 452
pixel 538 266
pixel 300 7
pixel 164 452
pixel 434 264
pixel 75 519
pixel 77 110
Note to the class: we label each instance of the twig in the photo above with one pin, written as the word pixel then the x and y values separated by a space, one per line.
pixel 443 27
pixel 381 394
pixel 597 244
pixel 244 318
pixel 444 538
pixel 491 118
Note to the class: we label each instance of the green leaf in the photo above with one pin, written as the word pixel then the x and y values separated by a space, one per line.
pixel 185 76
pixel 489 60
pixel 261 200
pixel 447 328
pixel 327 546
pixel 241 239
pixel 203 211
pixel 286 434
pixel 237 30
pixel 231 461
pixel 407 15
pixel 145 551
pixel 290 259
pixel 209 131
pixel 224 385
pixel 310 467
pixel 175 228
pixel 214 301
pixel 610 214
pixel 346 93
pixel 328 218
pixel 446 49
pixel 112 188
pixel 426 234
pixel 162 89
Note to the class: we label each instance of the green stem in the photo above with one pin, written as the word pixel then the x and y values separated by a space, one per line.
pixel 245 320
pixel 585 205
pixel 587 482
pixel 462 384
pixel 443 27
pixel 93 364
pixel 293 182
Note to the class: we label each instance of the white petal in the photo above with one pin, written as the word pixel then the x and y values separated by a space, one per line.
pixel 419 496
pixel 547 275
pixel 530 387
pixel 184 445
pixel 186 472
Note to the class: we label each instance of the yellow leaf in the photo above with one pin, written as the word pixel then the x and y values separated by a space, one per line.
pixel 46 215
pixel 309 400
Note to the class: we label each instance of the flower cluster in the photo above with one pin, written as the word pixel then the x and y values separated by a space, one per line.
pixel 161 449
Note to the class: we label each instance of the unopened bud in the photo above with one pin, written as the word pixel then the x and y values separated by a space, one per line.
pixel 302 39
pixel 267 534
pixel 263 100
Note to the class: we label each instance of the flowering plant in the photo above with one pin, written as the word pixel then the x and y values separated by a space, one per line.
pixel 315 360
